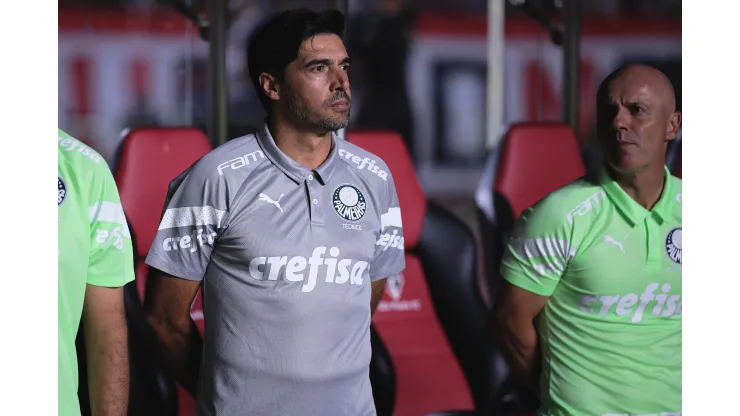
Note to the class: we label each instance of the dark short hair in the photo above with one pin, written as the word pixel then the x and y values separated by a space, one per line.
pixel 275 43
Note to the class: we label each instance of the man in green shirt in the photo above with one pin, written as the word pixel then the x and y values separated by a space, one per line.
pixel 590 314
pixel 95 261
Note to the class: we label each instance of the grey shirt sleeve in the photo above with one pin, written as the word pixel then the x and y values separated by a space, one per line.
pixel 389 258
pixel 193 216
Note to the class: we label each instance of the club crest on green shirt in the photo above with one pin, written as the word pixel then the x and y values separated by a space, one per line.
pixel 61 191
pixel 673 245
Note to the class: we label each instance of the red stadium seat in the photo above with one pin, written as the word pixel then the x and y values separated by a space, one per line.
pixel 432 320
pixel 532 160
pixel 149 159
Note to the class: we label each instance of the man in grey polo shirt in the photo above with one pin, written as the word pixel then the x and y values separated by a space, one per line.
pixel 291 233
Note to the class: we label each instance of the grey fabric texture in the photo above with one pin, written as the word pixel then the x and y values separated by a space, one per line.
pixel 286 256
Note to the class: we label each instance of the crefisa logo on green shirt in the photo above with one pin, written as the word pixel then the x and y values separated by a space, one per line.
pixel 61 191
pixel 673 245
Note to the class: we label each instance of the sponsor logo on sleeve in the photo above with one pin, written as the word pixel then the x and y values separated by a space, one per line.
pixel 584 207
pixel 364 163
pixel 70 145
pixel 240 161
pixel 391 229
pixel 189 243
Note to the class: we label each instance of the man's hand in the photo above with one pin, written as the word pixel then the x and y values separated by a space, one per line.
pixel 513 325
pixel 378 287
pixel 106 344
pixel 167 306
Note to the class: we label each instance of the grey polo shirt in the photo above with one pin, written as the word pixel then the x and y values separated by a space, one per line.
pixel 286 256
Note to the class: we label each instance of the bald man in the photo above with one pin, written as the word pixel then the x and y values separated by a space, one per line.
pixel 590 310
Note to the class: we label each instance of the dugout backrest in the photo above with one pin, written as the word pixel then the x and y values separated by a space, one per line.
pixel 432 318
pixel 531 161
pixel 148 160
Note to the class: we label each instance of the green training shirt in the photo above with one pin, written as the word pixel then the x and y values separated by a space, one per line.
pixel 94 247
pixel 611 330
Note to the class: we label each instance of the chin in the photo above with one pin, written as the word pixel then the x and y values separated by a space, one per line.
pixel 333 124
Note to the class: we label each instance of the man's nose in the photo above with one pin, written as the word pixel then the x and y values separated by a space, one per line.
pixel 621 118
pixel 340 80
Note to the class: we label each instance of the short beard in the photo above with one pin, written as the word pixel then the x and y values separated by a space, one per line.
pixel 301 115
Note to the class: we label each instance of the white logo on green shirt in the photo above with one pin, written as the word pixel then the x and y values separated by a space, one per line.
pixel 587 205
pixel 673 245
pixel 662 304
pixel 609 239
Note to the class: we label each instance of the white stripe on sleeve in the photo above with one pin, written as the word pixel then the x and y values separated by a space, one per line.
pixel 191 217
pixel 392 218
pixel 109 212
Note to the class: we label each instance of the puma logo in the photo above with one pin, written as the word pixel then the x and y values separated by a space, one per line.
pixel 265 198
pixel 610 240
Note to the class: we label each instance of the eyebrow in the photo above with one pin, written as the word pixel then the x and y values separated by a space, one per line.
pixel 631 100
pixel 313 62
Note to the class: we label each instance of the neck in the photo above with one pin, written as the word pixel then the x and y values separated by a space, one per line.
pixel 309 149
pixel 645 186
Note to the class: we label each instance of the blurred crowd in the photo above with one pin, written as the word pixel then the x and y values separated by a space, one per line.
pixel 379 36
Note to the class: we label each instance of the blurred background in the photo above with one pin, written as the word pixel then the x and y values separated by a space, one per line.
pixel 430 70
pixel 420 69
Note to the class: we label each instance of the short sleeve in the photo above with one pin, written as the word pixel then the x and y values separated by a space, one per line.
pixel 389 258
pixel 192 218
pixel 111 261
pixel 539 249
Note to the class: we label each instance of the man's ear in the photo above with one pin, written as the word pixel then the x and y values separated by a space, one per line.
pixel 674 124
pixel 270 86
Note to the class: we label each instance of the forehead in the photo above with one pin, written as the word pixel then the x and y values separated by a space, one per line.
pixel 632 88
pixel 324 45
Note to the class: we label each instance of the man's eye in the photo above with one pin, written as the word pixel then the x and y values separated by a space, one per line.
pixel 319 68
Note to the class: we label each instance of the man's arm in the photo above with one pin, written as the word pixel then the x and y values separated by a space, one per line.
pixel 513 324
pixel 110 267
pixel 196 205
pixel 536 257
pixel 167 307
pixel 378 287
pixel 106 344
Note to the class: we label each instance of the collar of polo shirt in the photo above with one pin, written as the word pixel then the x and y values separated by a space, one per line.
pixel 290 167
pixel 633 212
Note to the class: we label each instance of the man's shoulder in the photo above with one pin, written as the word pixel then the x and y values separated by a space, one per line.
pixel 81 167
pixel 369 165
pixel 74 151
pixel 560 204
pixel 232 161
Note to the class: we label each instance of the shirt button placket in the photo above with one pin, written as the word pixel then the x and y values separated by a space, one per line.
pixel 315 191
